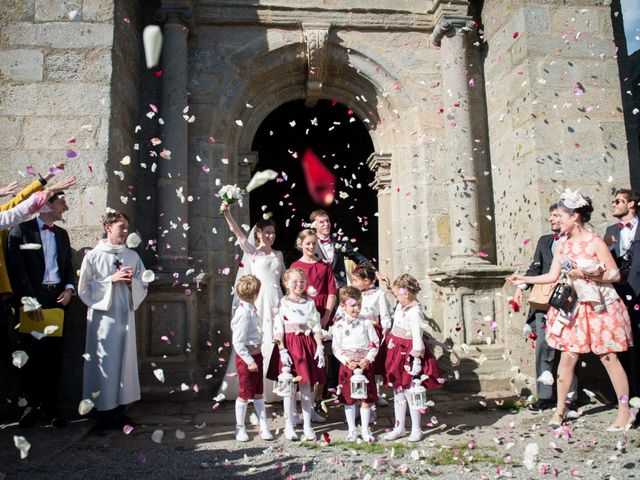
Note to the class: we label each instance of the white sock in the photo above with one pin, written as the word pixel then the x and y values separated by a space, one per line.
pixel 258 404
pixel 416 416
pixel 400 408
pixel 287 404
pixel 377 378
pixel 241 412
pixel 365 416
pixel 350 413
pixel 307 404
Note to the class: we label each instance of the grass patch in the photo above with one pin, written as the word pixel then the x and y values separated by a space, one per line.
pixel 374 448
pixel 510 405
pixel 461 454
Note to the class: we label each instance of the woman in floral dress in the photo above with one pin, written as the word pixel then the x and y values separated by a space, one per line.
pixel 584 329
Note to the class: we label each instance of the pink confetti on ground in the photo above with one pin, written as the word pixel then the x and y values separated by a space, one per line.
pixel 30 170
pixel 127 429
pixel 71 140
pixel 72 154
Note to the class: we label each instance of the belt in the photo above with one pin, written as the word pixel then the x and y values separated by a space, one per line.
pixel 50 286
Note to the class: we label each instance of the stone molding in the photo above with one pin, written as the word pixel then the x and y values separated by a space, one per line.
pixel 380 164
pixel 450 26
pixel 176 12
pixel 316 38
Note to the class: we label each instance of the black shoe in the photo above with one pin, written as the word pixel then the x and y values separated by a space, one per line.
pixel 29 417
pixel 542 404
pixel 103 428
pixel 124 420
pixel 59 422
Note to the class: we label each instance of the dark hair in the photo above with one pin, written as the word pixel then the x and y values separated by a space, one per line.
pixel 631 196
pixel 583 212
pixel 114 217
pixel 365 272
pixel 552 207
pixel 261 225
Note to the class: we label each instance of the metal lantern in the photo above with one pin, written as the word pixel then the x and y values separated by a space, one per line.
pixel 358 385
pixel 417 395
pixel 285 387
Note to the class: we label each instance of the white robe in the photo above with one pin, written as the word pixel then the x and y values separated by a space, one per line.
pixel 112 369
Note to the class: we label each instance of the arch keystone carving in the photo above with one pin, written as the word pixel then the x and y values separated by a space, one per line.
pixel 316 39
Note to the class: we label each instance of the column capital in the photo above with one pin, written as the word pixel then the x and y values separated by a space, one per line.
pixel 450 26
pixel 380 164
pixel 316 36
pixel 176 11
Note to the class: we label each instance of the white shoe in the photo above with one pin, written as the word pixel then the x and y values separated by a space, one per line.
pixel 382 402
pixel 317 418
pixel 241 434
pixel 290 433
pixel 265 434
pixel 309 435
pixel 352 436
pixel 296 419
pixel 416 436
pixel 395 434
pixel 368 437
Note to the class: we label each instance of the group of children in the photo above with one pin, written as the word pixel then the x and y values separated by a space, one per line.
pixel 364 336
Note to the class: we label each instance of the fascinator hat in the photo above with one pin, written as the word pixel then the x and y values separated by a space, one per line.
pixel 572 200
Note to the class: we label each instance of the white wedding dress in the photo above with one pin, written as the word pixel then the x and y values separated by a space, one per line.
pixel 269 268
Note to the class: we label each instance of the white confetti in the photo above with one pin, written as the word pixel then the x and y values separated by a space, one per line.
pixel 19 358
pixel 159 373
pixel 85 406
pixel 133 240
pixel 22 445
pixel 157 435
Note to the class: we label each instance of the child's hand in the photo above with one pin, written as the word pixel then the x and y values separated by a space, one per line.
pixel 364 364
pixel 352 365
pixel 253 367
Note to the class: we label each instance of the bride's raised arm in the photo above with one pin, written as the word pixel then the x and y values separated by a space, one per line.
pixel 233 225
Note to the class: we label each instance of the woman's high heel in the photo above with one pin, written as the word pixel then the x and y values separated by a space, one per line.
pixel 562 416
pixel 627 426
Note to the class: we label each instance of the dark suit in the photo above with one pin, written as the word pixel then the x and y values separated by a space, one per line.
pixel 41 373
pixel 629 291
pixel 342 250
pixel 546 357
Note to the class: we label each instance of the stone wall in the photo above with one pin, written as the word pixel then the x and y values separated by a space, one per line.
pixel 554 121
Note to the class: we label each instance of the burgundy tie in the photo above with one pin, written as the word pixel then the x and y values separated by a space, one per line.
pixel 556 236
pixel 51 228
pixel 621 225
pixel 325 240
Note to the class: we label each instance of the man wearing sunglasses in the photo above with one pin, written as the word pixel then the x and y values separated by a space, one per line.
pixel 623 238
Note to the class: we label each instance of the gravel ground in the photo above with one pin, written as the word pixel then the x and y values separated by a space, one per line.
pixel 463 439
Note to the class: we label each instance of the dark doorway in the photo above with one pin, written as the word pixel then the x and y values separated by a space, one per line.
pixel 342 141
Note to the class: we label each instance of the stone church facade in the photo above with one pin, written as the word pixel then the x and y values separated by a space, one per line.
pixel 479 113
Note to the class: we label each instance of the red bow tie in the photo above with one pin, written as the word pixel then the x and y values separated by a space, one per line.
pixel 51 228
pixel 556 236
pixel 325 240
pixel 621 225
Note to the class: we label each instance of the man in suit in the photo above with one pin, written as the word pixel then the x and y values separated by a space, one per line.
pixel 47 275
pixel 334 252
pixel 546 357
pixel 623 240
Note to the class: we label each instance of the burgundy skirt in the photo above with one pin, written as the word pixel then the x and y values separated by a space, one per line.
pixel 398 356
pixel 378 363
pixel 344 381
pixel 301 348
pixel 250 384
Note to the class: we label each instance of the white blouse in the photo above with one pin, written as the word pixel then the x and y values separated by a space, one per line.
pixel 407 324
pixel 296 317
pixel 246 327
pixel 375 307
pixel 354 339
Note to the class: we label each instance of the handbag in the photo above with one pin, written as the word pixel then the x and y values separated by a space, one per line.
pixel 540 295
pixel 52 317
pixel 563 298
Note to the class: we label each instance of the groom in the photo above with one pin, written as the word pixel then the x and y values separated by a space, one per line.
pixel 333 252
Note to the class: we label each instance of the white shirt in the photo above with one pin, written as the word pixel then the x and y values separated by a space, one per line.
pixel 407 323
pixel 328 249
pixel 50 252
pixel 627 235
pixel 246 328
pixel 375 307
pixel 354 339
pixel 293 317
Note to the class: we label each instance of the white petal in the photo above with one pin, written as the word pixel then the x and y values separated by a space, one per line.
pixel 260 178
pixel 133 240
pixel 148 276
pixel 159 373
pixel 85 406
pixel 157 435
pixel 152 40
pixel 19 358
pixel 22 445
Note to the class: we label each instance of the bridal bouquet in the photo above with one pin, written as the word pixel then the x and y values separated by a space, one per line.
pixel 230 194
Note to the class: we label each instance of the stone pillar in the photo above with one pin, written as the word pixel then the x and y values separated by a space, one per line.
pixel 173 209
pixel 380 164
pixel 463 196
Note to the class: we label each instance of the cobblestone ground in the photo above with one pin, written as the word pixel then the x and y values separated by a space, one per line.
pixel 463 439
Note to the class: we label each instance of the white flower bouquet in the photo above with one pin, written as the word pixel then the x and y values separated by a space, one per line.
pixel 230 194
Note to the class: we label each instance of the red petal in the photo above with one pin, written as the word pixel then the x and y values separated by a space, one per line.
pixel 320 181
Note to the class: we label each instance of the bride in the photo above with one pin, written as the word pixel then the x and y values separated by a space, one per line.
pixel 261 260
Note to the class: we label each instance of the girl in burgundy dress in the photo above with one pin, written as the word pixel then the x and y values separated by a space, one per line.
pixel 408 356
pixel 297 332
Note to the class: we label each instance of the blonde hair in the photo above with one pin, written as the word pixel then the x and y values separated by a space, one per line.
pixel 318 213
pixel 407 282
pixel 350 292
pixel 306 233
pixel 248 288
pixel 289 273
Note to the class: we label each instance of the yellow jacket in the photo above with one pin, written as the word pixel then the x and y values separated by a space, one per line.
pixel 35 186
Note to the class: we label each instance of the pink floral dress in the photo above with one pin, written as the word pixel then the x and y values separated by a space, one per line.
pixel 590 331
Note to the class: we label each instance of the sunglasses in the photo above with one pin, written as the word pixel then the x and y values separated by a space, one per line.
pixel 618 201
